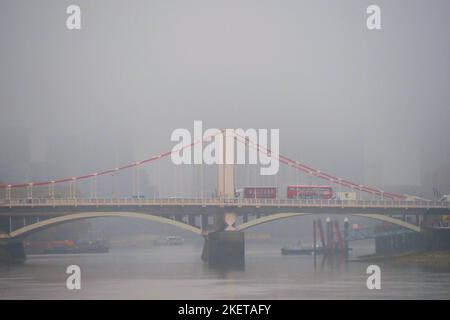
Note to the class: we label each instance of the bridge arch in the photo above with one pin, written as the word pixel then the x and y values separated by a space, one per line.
pixel 44 224
pixel 280 216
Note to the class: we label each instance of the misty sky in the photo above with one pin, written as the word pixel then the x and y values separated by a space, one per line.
pixel 344 98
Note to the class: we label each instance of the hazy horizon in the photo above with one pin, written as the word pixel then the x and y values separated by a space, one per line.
pixel 372 106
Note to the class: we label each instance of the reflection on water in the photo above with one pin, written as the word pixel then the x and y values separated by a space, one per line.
pixel 178 273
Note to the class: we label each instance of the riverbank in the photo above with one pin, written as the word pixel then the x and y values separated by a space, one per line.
pixel 439 259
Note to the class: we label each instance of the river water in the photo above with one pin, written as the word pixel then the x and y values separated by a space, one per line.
pixel 177 272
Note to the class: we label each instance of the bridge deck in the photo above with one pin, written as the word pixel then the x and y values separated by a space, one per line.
pixel 181 205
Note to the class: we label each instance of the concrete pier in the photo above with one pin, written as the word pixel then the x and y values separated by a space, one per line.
pixel 428 240
pixel 11 251
pixel 224 249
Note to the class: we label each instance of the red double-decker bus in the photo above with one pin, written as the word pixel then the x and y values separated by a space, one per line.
pixel 309 192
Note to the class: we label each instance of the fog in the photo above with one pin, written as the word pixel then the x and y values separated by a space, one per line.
pixel 372 106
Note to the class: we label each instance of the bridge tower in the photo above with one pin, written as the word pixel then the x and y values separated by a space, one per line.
pixel 225 174
pixel 225 182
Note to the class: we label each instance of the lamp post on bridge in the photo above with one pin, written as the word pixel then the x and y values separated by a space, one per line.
pixel 72 188
pixel 30 191
pixel 94 186
pixel 51 190
pixel 8 192
pixel 136 182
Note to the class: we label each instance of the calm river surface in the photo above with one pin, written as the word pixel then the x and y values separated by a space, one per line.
pixel 178 273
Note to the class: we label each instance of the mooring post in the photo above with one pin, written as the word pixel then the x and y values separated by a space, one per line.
pixel 315 243
pixel 322 236
pixel 346 234
pixel 340 243
pixel 314 237
pixel 329 230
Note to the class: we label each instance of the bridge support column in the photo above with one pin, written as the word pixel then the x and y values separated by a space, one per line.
pixel 191 220
pixel 224 249
pixel 12 251
pixel 204 222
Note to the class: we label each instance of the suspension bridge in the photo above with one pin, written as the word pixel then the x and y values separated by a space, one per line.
pixel 204 201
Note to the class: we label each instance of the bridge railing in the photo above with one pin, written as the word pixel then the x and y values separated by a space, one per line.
pixel 221 202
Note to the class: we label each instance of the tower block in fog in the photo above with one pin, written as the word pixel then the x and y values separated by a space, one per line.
pixel 225 174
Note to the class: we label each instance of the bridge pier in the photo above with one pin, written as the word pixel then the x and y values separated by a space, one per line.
pixel 427 240
pixel 225 246
pixel 224 249
pixel 12 251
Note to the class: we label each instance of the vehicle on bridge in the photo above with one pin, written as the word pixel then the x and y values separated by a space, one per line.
pixel 257 193
pixel 309 192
